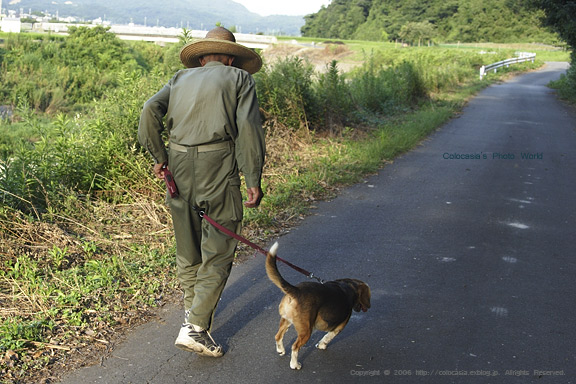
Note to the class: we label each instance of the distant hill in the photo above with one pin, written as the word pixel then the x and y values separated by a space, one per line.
pixel 192 14
pixel 419 21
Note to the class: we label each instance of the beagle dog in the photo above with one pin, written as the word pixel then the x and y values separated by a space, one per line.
pixel 309 305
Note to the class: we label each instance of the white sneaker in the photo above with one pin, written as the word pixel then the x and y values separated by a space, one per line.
pixel 199 341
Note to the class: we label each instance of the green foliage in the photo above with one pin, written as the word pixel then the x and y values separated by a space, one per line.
pixel 339 21
pixel 385 90
pixel 559 15
pixel 79 295
pixel 371 30
pixel 285 92
pixel 16 332
pixel 387 83
pixel 86 153
pixel 79 155
pixel 334 104
pixel 186 36
pixel 62 159
pixel 418 20
pixel 415 33
pixel 297 99
pixel 52 74
pixel 566 85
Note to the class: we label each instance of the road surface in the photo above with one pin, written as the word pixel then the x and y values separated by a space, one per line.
pixel 467 243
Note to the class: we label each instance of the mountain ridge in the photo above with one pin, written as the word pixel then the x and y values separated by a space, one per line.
pixel 191 14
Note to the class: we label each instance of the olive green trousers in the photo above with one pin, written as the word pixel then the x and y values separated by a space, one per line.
pixel 206 178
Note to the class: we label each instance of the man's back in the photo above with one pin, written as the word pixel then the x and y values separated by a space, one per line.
pixel 203 103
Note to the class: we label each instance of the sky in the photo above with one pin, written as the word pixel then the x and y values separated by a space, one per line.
pixel 283 7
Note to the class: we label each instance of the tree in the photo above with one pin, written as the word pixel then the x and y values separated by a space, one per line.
pixel 453 20
pixel 417 32
pixel 371 31
pixel 560 16
pixel 338 21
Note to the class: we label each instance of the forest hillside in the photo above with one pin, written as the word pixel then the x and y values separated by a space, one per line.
pixel 419 21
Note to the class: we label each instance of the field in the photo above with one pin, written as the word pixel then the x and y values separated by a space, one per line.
pixel 86 246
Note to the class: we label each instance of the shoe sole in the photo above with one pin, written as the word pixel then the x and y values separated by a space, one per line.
pixel 197 348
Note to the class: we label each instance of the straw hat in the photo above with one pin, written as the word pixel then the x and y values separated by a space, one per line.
pixel 220 40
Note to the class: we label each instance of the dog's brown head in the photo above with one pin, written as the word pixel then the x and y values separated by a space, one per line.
pixel 362 290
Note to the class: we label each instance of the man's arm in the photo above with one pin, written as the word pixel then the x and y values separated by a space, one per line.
pixel 151 125
pixel 250 146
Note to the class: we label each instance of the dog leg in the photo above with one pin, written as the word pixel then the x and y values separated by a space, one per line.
pixel 303 337
pixel 284 325
pixel 327 339
pixel 331 335
pixel 294 364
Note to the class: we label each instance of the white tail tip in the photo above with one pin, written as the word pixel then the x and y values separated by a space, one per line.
pixel 274 249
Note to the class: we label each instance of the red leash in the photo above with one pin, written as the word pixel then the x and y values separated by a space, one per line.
pixel 254 246
pixel 173 190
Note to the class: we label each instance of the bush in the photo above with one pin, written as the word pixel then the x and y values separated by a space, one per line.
pixel 57 74
pixel 334 105
pixel 385 90
pixel 65 158
pixel 80 155
pixel 566 85
pixel 285 93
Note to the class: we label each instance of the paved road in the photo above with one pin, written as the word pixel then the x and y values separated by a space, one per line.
pixel 471 263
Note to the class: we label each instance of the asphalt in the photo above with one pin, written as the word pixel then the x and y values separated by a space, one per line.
pixel 467 243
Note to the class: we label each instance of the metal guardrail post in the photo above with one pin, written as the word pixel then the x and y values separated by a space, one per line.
pixel 522 58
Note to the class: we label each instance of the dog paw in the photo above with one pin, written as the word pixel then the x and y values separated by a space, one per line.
pixel 280 349
pixel 296 366
pixel 321 345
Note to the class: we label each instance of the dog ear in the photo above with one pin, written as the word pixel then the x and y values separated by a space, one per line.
pixel 364 297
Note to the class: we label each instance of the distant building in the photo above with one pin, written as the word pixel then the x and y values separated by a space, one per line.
pixel 10 24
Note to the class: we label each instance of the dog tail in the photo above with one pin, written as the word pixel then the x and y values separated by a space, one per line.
pixel 274 274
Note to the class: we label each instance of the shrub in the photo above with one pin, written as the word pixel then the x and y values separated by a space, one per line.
pixel 285 92
pixel 51 74
pixel 566 85
pixel 334 105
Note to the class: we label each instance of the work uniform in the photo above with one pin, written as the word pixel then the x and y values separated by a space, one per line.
pixel 214 129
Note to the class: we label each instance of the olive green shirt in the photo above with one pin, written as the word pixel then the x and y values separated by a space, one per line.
pixel 206 105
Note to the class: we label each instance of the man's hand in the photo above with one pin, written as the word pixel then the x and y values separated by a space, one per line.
pixel 158 171
pixel 255 195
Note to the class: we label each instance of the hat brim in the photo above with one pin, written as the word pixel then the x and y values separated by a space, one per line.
pixel 245 58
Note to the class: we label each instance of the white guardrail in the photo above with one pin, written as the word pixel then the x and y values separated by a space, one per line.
pixel 522 57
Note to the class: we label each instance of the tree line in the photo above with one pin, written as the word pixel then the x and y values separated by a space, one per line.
pixel 418 21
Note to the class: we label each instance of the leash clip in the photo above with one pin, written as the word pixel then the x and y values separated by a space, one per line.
pixel 311 276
